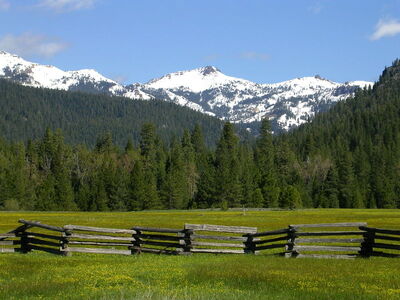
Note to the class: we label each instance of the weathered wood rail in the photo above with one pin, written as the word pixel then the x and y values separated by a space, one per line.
pixel 314 240
pixel 218 239
pixel 329 240
pixel 268 240
pixel 160 240
pixel 105 240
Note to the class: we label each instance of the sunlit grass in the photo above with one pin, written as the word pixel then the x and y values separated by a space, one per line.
pixel 146 276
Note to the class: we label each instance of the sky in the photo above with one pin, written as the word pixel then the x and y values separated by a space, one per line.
pixel 265 41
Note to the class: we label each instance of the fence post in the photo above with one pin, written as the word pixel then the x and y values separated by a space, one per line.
pixel 367 246
pixel 136 248
pixel 250 246
pixel 186 241
pixel 24 241
pixel 291 242
pixel 64 243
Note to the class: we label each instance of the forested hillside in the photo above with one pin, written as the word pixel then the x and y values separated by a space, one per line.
pixel 348 157
pixel 26 112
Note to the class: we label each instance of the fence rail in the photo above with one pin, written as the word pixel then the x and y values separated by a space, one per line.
pixel 318 241
pixel 378 241
pixel 327 240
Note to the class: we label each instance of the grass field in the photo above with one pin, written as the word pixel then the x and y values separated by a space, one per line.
pixel 147 276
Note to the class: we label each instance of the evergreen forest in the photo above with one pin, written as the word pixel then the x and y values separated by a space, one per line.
pixel 347 157
pixel 26 113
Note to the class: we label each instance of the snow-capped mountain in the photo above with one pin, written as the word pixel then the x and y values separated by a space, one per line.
pixel 36 75
pixel 287 104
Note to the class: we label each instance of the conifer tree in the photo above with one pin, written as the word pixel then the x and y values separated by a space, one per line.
pixel 61 171
pixel 175 188
pixel 137 188
pixel 264 156
pixel 190 169
pixel 257 198
pixel 148 147
pixel 227 175
pixel 346 182
pixel 290 198
pixel 129 146
pixel 330 189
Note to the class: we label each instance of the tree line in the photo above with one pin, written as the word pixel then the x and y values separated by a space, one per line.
pixel 348 157
pixel 48 174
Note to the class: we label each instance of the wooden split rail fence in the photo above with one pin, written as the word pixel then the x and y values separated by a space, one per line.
pixel 330 240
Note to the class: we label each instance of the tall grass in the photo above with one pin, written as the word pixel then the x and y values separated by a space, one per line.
pixel 147 276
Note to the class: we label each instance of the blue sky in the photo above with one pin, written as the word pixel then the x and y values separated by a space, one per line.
pixel 263 41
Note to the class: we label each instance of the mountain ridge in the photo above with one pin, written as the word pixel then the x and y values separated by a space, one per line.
pixel 287 104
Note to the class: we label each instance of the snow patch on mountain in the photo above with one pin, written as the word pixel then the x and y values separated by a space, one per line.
pixel 287 104
pixel 195 81
pixel 36 75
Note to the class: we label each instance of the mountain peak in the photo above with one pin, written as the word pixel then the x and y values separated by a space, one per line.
pixel 209 70
pixel 6 53
pixel 319 77
pixel 195 80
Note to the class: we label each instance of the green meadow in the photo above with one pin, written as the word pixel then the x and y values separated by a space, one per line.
pixel 148 276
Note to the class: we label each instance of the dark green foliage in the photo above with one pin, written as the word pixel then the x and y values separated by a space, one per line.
pixel 137 187
pixel 257 199
pixel 265 161
pixel 290 198
pixel 26 112
pixel 227 167
pixel 328 196
pixel 360 140
pixel 348 157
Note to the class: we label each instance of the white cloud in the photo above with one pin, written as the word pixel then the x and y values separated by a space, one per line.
pixel 4 5
pixel 66 5
pixel 29 44
pixel 386 28
pixel 315 8
pixel 255 55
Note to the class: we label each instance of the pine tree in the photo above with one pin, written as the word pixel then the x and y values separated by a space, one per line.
pixel 105 144
pixel 227 175
pixel 137 188
pixel 346 180
pixel 207 194
pixel 257 199
pixel 19 186
pixel 290 198
pixel 330 189
pixel 247 176
pixel 175 187
pixel 129 146
pixel 190 168
pixel 61 171
pixel 150 147
pixel 264 157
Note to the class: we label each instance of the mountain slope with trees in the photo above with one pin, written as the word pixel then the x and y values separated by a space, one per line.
pixel 26 112
pixel 351 154
pixel 348 157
